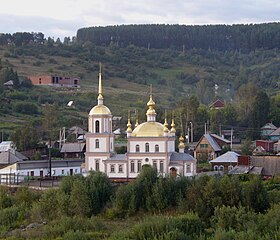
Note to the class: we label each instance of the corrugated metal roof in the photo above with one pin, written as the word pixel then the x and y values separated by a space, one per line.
pixel 6 145
pixel 212 142
pixel 275 133
pixel 229 157
pixel 181 157
pixel 269 126
pixel 45 164
pixel 72 147
pixel 220 138
pixel 11 156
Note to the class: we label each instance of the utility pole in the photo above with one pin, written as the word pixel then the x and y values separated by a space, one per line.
pixel 191 131
pixel 231 135
pixel 50 157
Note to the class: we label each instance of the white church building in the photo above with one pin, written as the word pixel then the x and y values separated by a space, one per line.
pixel 150 143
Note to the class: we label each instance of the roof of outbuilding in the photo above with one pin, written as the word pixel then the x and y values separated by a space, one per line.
pixel 275 132
pixel 72 147
pixel 181 157
pixel 11 156
pixel 269 126
pixel 6 145
pixel 228 157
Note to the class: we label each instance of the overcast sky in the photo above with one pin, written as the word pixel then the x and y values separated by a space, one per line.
pixel 60 18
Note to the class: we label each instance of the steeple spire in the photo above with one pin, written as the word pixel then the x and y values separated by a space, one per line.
pixel 173 130
pixel 128 130
pixel 136 118
pixel 165 129
pixel 100 96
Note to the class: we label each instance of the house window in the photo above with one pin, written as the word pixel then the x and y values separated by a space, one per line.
pixel 97 126
pixel 120 168
pixel 146 160
pixel 216 168
pixel 188 168
pixel 139 166
pixel 112 168
pixel 230 167
pixel 97 143
pixel 137 148
pixel 147 147
pixel 157 148
pixel 155 164
pixel 132 166
pixel 221 168
pixel 161 166
pixel 96 165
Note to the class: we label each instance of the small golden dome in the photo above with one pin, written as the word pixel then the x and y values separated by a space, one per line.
pixel 151 104
pixel 173 130
pixel 148 129
pixel 100 110
pixel 165 126
pixel 181 144
pixel 128 130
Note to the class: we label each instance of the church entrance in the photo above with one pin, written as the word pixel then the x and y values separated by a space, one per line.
pixel 173 172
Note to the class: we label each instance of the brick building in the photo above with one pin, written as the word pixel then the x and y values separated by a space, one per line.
pixel 57 81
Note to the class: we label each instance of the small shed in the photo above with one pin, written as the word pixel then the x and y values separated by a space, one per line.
pixel 73 150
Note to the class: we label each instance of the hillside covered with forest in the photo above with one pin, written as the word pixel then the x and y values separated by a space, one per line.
pixel 189 67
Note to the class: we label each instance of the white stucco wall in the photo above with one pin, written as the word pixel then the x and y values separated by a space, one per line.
pixel 152 145
pixel 102 144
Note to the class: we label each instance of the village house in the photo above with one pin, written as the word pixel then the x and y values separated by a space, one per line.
pixel 225 162
pixel 73 150
pixel 218 104
pixel 210 146
pixel 267 129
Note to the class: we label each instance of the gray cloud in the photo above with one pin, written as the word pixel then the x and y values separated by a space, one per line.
pixel 112 12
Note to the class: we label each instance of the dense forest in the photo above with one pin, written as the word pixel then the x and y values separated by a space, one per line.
pixel 151 207
pixel 239 37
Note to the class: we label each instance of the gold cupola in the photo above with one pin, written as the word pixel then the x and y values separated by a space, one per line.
pixel 128 130
pixel 181 145
pixel 100 109
pixel 136 119
pixel 151 113
pixel 173 130
pixel 165 129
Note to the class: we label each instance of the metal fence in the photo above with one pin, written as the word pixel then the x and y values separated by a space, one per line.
pixel 40 182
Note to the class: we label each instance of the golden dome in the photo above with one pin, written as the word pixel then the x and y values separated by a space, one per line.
pixel 148 129
pixel 100 110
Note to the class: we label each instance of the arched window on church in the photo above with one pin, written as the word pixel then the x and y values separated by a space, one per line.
pixel 96 165
pixel 156 148
pixel 147 147
pixel 97 143
pixel 97 126
pixel 137 148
